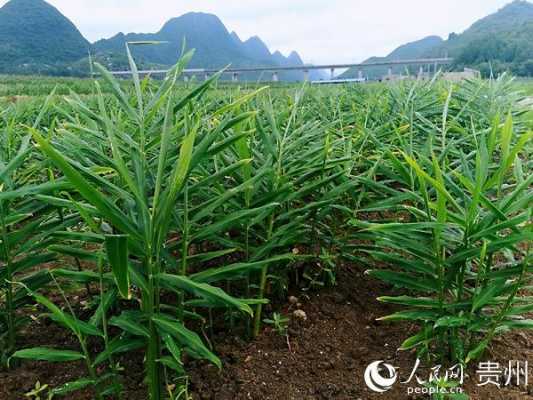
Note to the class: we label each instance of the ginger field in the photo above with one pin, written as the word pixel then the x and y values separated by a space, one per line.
pixel 206 240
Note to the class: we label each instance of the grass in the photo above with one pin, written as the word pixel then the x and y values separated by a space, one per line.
pixel 526 85
pixel 42 86
pixel 175 205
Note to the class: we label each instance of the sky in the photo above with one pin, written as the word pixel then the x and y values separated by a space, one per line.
pixel 322 31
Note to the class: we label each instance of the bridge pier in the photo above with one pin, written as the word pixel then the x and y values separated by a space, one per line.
pixel 360 74
pixel 198 73
pixel 421 72
pixel 275 76
pixel 332 73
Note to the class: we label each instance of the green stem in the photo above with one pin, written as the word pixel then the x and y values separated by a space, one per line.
pixel 10 311
pixel 262 285
pixel 105 330
pixel 247 278
pixel 90 368
pixel 510 299
pixel 259 309
pixel 184 250
pixel 81 339
pixel 153 348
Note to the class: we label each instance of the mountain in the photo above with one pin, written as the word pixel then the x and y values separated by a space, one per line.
pixel 236 38
pixel 278 57
pixel 36 38
pixel 215 46
pixel 256 49
pixel 499 42
pixel 409 51
pixel 35 35
pixel 294 60
pixel 416 49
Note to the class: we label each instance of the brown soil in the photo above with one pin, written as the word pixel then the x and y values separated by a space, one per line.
pixel 324 356
pixel 330 351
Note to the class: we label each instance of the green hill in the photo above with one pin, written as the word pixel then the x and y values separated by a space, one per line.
pixel 204 32
pixel 215 47
pixel 35 36
pixel 501 41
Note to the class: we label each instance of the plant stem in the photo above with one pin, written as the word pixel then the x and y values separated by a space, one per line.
pixel 90 368
pixel 184 249
pixel 153 348
pixel 105 330
pixel 10 311
pixel 262 285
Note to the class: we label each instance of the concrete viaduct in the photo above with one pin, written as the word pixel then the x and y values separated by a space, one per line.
pixel 275 70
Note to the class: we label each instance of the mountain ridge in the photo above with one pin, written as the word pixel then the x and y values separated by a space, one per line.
pixel 34 47
pixel 498 42
pixel 28 44
pixel 409 51
pixel 215 46
pixel 36 37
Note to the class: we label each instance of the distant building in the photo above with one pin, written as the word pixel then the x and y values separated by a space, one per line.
pixel 468 73
pixel 394 78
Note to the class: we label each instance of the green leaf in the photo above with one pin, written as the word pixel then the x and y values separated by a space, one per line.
pixel 423 337
pixel 75 252
pixel 58 314
pixel 451 321
pixel 172 348
pixel 117 91
pixel 518 324
pixel 175 182
pixel 411 315
pixel 477 351
pixel 86 189
pixel 405 280
pixel 76 276
pixel 187 338
pixel 70 387
pixel 118 257
pixel 210 293
pixel 81 326
pixel 424 302
pixel 237 270
pixel 48 354
pixel 16 161
pixel 106 301
pixel 128 321
pixel 119 345
pixel 488 294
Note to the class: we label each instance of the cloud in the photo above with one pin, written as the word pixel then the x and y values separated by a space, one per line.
pixel 321 31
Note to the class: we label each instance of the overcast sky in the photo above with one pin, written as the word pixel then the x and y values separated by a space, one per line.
pixel 321 31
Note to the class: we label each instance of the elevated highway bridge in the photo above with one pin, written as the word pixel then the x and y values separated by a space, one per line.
pixel 429 63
